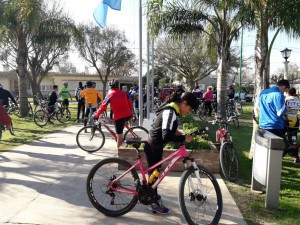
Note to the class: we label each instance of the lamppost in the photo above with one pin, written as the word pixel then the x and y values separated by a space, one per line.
pixel 286 53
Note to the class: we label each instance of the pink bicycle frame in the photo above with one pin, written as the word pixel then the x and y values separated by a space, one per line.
pixel 175 156
pixel 110 130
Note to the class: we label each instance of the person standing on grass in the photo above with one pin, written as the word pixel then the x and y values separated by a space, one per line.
pixel 52 101
pixel 65 94
pixel 208 98
pixel 80 102
pixel 293 105
pixel 271 105
pixel 121 105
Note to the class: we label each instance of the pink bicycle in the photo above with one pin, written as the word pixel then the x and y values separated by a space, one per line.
pixel 114 186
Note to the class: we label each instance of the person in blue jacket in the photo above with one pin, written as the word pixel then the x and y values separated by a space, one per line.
pixel 272 108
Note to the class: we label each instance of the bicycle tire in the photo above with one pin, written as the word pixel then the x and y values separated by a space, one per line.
pixel 63 115
pixel 199 209
pixel 41 118
pixel 239 108
pixel 97 187
pixel 236 122
pixel 229 161
pixel 202 113
pixel 11 128
pixel 136 132
pixel 90 138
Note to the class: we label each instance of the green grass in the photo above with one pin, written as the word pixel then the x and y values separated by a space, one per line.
pixel 27 131
pixel 252 205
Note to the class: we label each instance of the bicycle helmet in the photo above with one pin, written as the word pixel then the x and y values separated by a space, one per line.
pixel 89 83
pixel 65 83
pixel 114 83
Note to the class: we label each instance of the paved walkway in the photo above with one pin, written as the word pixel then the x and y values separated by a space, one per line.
pixel 43 182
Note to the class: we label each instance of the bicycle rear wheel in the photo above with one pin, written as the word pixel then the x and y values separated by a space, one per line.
pixel 105 200
pixel 200 201
pixel 136 132
pixel 90 138
pixel 63 115
pixel 236 122
pixel 203 113
pixel 11 128
pixel 229 161
pixel 41 118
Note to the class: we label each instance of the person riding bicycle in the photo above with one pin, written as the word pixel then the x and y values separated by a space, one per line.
pixel 65 94
pixel 208 98
pixel 5 95
pixel 4 117
pixel 164 130
pixel 90 95
pixel 121 104
pixel 292 104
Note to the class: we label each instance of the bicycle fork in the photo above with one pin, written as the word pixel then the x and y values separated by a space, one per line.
pixel 196 193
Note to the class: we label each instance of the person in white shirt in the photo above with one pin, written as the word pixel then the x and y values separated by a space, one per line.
pixel 292 104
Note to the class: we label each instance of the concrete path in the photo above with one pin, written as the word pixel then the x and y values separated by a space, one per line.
pixel 43 182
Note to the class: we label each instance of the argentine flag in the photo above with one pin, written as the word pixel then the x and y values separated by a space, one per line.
pixel 100 13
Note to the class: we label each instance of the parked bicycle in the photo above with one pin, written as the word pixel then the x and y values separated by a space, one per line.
pixel 2 128
pixel 43 116
pixel 91 138
pixel 228 156
pixel 231 112
pixel 114 186
pixel 203 110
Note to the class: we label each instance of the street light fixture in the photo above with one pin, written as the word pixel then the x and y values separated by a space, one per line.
pixel 286 53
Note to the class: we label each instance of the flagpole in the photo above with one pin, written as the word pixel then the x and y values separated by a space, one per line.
pixel 140 69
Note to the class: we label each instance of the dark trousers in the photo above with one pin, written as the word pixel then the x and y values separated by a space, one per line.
pixel 80 107
pixel 209 107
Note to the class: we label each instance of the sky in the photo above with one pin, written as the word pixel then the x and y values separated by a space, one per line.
pixel 128 20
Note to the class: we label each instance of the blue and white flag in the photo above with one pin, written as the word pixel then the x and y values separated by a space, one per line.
pixel 114 4
pixel 100 13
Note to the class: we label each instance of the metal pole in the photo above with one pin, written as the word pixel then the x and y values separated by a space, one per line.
pixel 152 86
pixel 148 80
pixel 286 69
pixel 140 69
pixel 241 64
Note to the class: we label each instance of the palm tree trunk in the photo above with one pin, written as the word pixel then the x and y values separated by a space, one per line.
pixel 261 71
pixel 22 75
pixel 221 85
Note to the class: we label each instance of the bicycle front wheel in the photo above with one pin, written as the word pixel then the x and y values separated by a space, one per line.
pixel 229 161
pixel 40 118
pixel 63 115
pixel 137 132
pixel 90 138
pixel 105 200
pixel 200 200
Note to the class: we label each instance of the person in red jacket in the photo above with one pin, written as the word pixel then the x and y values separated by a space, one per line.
pixel 122 105
pixel 208 98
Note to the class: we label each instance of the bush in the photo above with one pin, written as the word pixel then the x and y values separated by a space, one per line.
pixel 199 142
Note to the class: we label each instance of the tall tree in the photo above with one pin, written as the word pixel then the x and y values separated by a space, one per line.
pixel 219 20
pixel 105 50
pixel 186 58
pixel 278 15
pixel 18 19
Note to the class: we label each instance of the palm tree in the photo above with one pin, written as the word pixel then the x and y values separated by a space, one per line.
pixel 278 15
pixel 18 18
pixel 219 20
